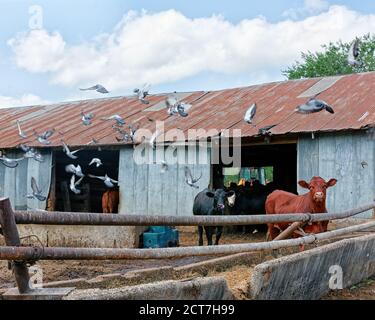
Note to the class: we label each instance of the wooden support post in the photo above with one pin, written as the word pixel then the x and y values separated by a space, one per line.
pixel 12 238
pixel 289 231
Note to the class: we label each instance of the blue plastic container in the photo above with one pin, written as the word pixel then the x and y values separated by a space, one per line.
pixel 160 237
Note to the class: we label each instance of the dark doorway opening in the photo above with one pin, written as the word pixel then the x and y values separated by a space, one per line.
pixel 90 199
pixel 267 163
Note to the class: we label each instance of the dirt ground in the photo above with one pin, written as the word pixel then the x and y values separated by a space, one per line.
pixel 236 276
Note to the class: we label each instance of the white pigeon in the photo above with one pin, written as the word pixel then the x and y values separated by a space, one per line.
pixel 70 154
pixel 73 184
pixel 353 54
pixel 97 161
pixel 174 106
pixel 250 113
pixel 98 87
pixel 152 141
pixel 189 178
pixel 77 170
pixel 21 133
pixel 109 182
pixel 119 120
pixel 86 118
pixel 143 93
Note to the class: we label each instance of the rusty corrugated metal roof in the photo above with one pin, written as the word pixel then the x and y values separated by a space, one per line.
pixel 351 96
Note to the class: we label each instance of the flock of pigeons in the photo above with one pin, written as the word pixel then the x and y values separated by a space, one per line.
pixel 174 107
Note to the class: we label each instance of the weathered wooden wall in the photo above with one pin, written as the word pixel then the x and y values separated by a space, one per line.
pixel 350 158
pixel 15 183
pixel 144 189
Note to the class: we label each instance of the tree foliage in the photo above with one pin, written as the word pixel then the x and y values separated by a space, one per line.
pixel 333 60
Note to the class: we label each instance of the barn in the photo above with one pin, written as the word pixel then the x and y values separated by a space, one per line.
pixel 281 146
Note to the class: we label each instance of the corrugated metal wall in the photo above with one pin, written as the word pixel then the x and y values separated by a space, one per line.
pixel 350 158
pixel 15 183
pixel 145 190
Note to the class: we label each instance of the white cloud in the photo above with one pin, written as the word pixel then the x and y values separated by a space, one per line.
pixel 310 7
pixel 25 100
pixel 167 46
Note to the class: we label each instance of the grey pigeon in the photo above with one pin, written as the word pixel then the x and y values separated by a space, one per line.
pixel 43 138
pixel 189 178
pixel 31 153
pixel 10 163
pixel 77 170
pixel 98 87
pixel 36 192
pixel 96 161
pixel 143 93
pixel 21 133
pixel 250 113
pixel 118 119
pixel 70 154
pixel 73 184
pixel 314 105
pixel 265 130
pixel 109 182
pixel 177 107
pixel 164 167
pixel 86 118
pixel 353 54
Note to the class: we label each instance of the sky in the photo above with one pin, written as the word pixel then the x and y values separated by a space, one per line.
pixel 50 49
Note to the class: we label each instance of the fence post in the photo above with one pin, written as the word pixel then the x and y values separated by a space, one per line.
pixel 12 239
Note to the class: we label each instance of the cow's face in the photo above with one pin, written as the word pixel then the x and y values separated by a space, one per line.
pixel 318 188
pixel 221 198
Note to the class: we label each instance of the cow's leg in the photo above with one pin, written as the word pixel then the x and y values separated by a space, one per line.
pixel 200 235
pixel 219 232
pixel 209 232
pixel 272 232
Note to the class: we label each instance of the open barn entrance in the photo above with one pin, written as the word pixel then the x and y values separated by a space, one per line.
pixel 91 189
pixel 275 164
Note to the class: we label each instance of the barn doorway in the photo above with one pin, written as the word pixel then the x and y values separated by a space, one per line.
pixel 276 164
pixel 91 189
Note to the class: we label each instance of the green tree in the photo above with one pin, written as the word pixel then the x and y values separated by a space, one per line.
pixel 333 60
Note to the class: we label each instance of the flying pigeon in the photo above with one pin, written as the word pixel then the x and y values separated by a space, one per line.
pixel 97 161
pixel 314 105
pixel 77 170
pixel 143 93
pixel 73 184
pixel 189 178
pixel 250 113
pixel 43 138
pixel 152 141
pixel 353 54
pixel 99 88
pixel 118 119
pixel 10 163
pixel 21 133
pixel 86 118
pixel 174 106
pixel 36 192
pixel 70 154
pixel 109 182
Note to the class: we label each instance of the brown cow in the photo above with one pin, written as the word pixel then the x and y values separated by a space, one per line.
pixel 279 202
pixel 110 201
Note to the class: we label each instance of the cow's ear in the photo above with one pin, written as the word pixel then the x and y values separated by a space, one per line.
pixel 331 182
pixel 303 184
pixel 210 194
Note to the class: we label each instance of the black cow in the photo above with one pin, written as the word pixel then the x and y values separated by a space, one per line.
pixel 251 200
pixel 210 203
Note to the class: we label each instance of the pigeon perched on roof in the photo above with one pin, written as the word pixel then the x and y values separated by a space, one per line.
pixel 21 133
pixel 73 184
pixel 117 118
pixel 353 54
pixel 77 170
pixel 314 105
pixel 10 163
pixel 86 118
pixel 175 106
pixel 189 178
pixel 96 161
pixel 250 113
pixel 70 154
pixel 109 182
pixel 98 87
pixel 43 138
pixel 143 93
pixel 36 192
